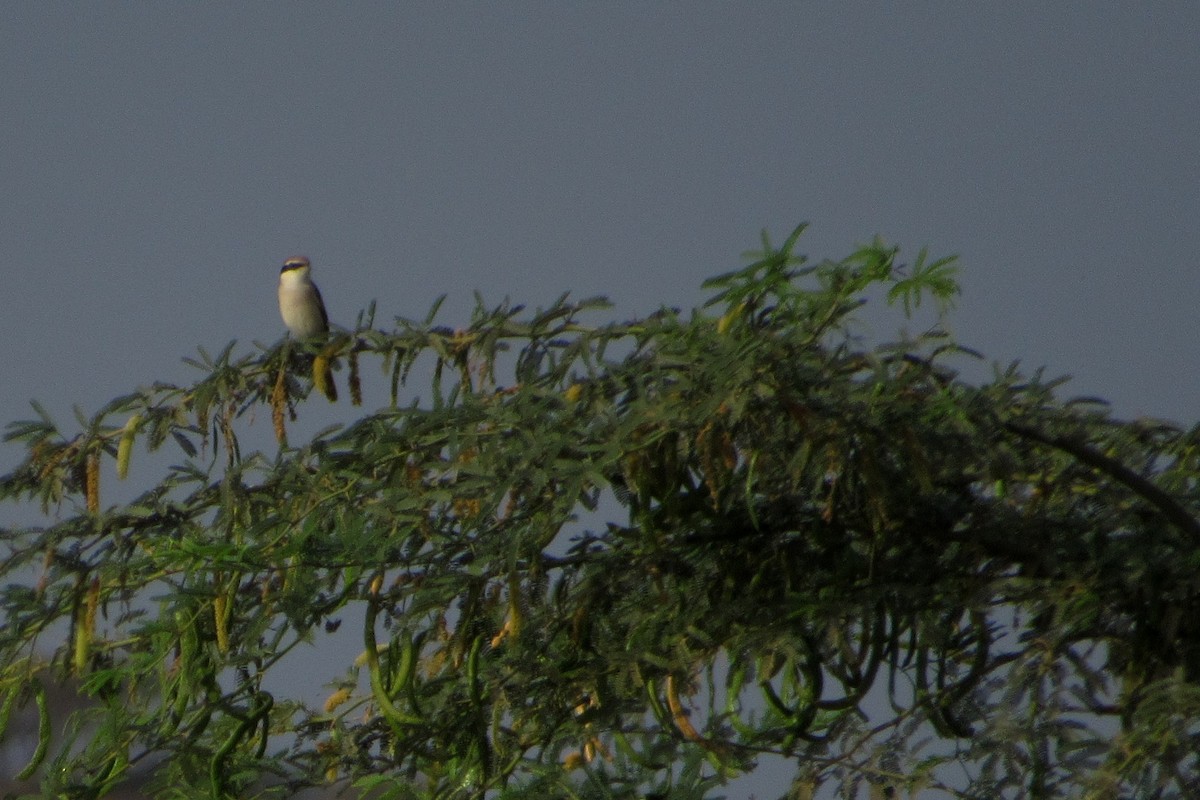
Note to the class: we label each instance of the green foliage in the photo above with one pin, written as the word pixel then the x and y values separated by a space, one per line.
pixel 619 561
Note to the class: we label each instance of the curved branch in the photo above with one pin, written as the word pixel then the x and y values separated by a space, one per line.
pixel 1147 490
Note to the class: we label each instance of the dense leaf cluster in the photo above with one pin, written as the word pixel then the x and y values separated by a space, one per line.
pixel 620 561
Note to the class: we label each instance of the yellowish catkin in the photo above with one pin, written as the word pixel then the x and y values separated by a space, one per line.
pixel 85 627
pixel 322 377
pixel 353 380
pixel 336 699
pixel 92 483
pixel 279 400
pixel 221 621
pixel 125 446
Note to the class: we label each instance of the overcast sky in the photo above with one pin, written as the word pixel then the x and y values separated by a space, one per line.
pixel 159 162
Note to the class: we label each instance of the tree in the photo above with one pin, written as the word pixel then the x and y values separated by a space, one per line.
pixel 626 560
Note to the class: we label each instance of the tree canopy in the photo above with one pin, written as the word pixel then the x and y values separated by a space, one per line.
pixel 616 560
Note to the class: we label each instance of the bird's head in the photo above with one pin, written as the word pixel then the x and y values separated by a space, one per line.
pixel 296 265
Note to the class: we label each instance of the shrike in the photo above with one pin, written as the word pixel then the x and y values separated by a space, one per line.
pixel 300 302
pixel 303 312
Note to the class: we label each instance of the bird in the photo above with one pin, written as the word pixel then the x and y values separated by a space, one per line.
pixel 300 302
pixel 303 312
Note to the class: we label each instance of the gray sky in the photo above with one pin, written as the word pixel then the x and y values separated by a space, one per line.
pixel 159 161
